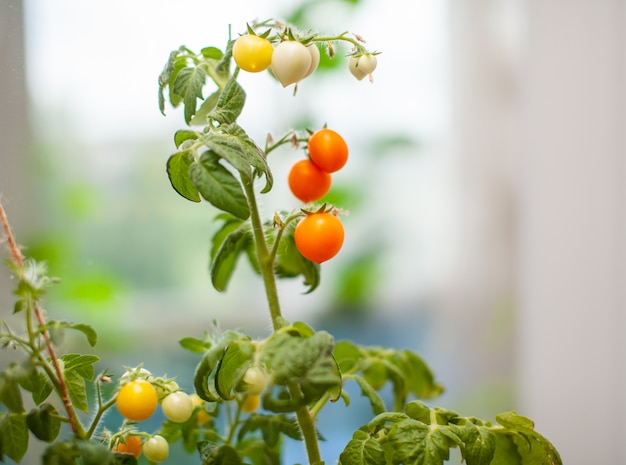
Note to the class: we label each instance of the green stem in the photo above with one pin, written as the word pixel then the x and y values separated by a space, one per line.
pixel 266 264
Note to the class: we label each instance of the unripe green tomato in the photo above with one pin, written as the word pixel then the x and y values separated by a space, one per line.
pixel 156 449
pixel 290 62
pixel 177 407
pixel 256 380
pixel 163 390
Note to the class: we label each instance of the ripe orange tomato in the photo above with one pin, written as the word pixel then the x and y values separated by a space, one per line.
pixel 308 182
pixel 328 150
pixel 252 53
pixel 319 236
pixel 131 446
pixel 137 400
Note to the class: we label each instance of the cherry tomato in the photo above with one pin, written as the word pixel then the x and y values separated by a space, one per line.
pixel 328 150
pixel 290 62
pixel 137 400
pixel 256 380
pixel 353 66
pixel 202 416
pixel 367 63
pixel 319 236
pixel 156 449
pixel 252 53
pixel 132 445
pixel 251 403
pixel 315 59
pixel 308 182
pixel 177 407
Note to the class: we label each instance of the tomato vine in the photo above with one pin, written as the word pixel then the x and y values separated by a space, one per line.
pixel 250 395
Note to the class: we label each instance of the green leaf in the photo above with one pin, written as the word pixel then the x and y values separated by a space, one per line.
pixel 202 113
pixel 290 263
pixel 225 258
pixel 232 367
pixel 183 135
pixel 193 344
pixel 44 422
pixel 362 449
pixel 271 427
pixel 413 442
pixel 95 453
pixel 178 166
pixel 77 390
pixel 80 364
pixel 230 103
pixel 218 186
pixel 213 53
pixel 10 394
pixel 166 76
pixel 188 84
pixel 480 444
pixel 88 331
pixel 14 435
pixel 377 403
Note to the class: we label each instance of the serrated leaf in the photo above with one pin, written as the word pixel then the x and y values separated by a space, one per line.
pixel 413 442
pixel 377 403
pixel 188 84
pixel 225 259
pixel 77 390
pixel 38 384
pixel 236 360
pixel 271 427
pixel 165 77
pixel 178 166
pixel 230 103
pixel 14 435
pixel 218 186
pixel 80 364
pixel 44 422
pixel 362 449
pixel 480 444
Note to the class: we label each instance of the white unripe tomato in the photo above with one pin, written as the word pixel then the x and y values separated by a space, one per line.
pixel 367 63
pixel 156 449
pixel 353 66
pixel 256 380
pixel 177 407
pixel 315 59
pixel 290 62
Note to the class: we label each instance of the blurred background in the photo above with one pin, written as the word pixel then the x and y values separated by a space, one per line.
pixel 485 188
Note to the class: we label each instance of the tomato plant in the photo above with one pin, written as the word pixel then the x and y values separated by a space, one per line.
pixel 280 382
pixel 137 400
pixel 319 236
pixel 252 53
pixel 156 448
pixel 308 182
pixel 328 150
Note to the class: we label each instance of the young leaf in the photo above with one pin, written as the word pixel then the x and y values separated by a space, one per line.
pixel 44 422
pixel 236 360
pixel 480 444
pixel 218 186
pixel 178 173
pixel 413 442
pixel 80 364
pixel 193 344
pixel 183 135
pixel 229 104
pixel 377 403
pixel 14 435
pixel 362 449
pixel 188 84
pixel 225 259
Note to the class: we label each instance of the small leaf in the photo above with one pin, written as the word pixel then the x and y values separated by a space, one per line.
pixel 178 173
pixel 290 263
pixel 480 444
pixel 362 449
pixel 236 360
pixel 213 53
pixel 377 403
pixel 80 364
pixel 183 135
pixel 412 441
pixel 10 394
pixel 188 84
pixel 229 104
pixel 44 422
pixel 77 390
pixel 193 344
pixel 202 113
pixel 14 435
pixel 271 427
pixel 225 259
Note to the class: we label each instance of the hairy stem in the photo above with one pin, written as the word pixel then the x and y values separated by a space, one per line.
pixel 59 382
